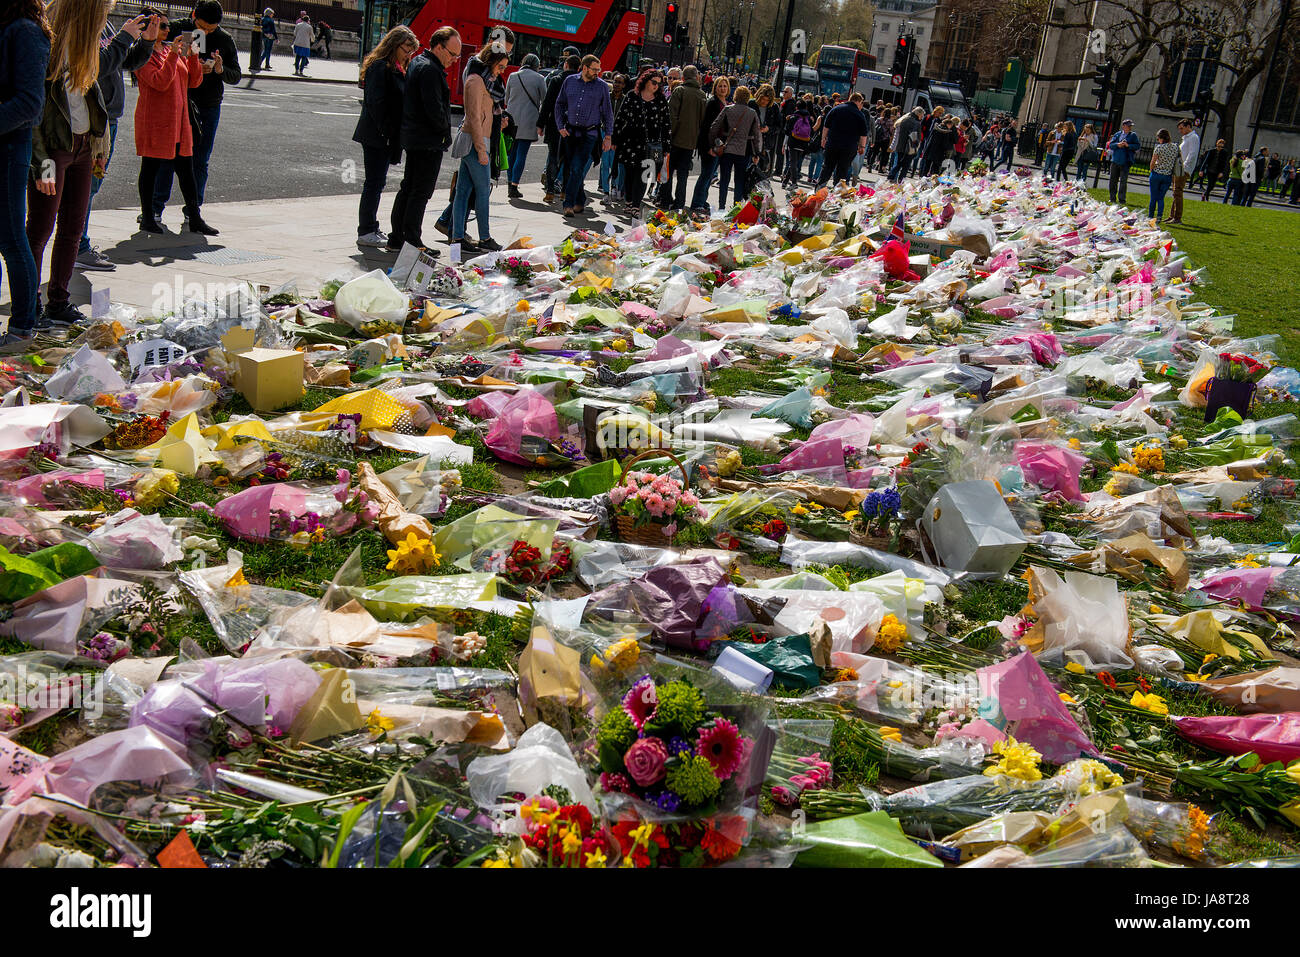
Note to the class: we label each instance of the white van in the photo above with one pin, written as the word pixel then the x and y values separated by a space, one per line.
pixel 879 86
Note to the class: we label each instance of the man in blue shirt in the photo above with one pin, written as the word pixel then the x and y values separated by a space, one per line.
pixel 581 110
pixel 844 136
pixel 1122 149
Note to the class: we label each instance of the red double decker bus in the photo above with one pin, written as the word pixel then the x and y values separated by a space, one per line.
pixel 611 29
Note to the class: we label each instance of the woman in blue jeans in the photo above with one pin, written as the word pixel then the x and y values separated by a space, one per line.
pixel 476 166
pixel 24 58
pixel 1166 162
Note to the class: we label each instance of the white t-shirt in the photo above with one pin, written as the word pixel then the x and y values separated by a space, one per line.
pixel 78 113
pixel 1190 146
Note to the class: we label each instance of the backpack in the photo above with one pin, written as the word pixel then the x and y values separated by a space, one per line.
pixel 802 129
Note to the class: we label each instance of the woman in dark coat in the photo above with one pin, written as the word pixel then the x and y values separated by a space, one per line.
pixel 641 128
pixel 379 128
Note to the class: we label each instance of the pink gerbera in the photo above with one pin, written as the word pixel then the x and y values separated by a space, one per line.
pixel 722 746
pixel 641 702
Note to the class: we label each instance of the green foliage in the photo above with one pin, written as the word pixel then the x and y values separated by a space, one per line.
pixel 692 777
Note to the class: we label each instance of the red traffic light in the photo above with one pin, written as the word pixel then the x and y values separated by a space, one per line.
pixel 672 8
pixel 902 41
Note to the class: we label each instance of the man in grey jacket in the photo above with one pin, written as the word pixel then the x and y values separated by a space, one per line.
pixel 685 115
pixel 121 50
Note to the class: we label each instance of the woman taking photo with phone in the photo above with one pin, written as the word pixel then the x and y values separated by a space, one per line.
pixel 70 142
pixel 24 59
pixel 379 128
pixel 476 165
pixel 163 128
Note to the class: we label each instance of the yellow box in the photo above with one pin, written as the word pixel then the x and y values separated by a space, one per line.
pixel 271 379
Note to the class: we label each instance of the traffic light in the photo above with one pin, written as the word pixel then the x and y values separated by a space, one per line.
pixel 901 53
pixel 1203 101
pixel 681 36
pixel 1103 80
pixel 670 23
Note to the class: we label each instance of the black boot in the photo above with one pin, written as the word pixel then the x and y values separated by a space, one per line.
pixel 149 224
pixel 197 225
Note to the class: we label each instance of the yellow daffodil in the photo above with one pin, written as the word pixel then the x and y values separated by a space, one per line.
pixel 619 345
pixel 571 842
pixel 891 734
pixel 596 858
pixel 1208 658
pixel 1293 771
pixel 413 555
pixel 496 862
pixel 1149 458
pixel 1016 760
pixel 377 724
pixel 1126 467
pixel 1067 697
pixel 1155 609
pixel 1149 702
pixel 851 515
pixel 522 305
pixel 799 510
pixel 1075 668
pixel 816 507
pixel 1178 442
pixel 237 580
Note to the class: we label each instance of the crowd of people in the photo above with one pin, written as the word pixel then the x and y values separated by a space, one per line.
pixel 306 39
pixel 62 95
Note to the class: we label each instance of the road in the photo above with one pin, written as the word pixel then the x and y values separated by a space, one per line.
pixel 276 140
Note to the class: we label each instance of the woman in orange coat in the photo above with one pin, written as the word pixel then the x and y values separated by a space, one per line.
pixel 162 125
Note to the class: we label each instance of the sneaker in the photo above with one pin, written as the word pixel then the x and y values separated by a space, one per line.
pixel 488 246
pixel 514 192
pixel 93 259
pixel 430 251
pixel 373 239
pixel 64 314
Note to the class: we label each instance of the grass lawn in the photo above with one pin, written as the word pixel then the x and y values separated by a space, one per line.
pixel 1251 258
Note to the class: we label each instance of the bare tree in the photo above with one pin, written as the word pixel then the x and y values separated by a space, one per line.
pixel 1239 39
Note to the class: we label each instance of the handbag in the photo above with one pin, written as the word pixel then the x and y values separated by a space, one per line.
pixel 462 144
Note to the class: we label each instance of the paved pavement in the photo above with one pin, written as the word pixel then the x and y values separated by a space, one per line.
pixel 308 240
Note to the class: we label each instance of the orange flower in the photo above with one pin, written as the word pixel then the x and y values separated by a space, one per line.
pixel 718 845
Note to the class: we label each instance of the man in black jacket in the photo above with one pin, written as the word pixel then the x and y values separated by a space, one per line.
pixel 220 61
pixel 554 174
pixel 119 51
pixel 426 134
pixel 908 126
pixel 1215 167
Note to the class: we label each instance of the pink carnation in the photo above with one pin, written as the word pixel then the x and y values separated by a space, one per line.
pixel 618 495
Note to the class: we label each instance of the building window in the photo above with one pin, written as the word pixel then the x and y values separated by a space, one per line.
pixel 1195 70
pixel 1280 102
pixel 920 31
pixel 880 54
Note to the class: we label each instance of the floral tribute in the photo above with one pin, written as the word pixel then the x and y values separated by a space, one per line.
pixel 663 746
pixel 656 499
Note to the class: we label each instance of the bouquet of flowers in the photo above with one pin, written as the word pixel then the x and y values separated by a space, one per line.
pixel 557 834
pixel 145 430
pixel 1238 367
pixel 522 564
pixel 878 510
pixel 649 499
pixel 661 744
pixel 520 271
